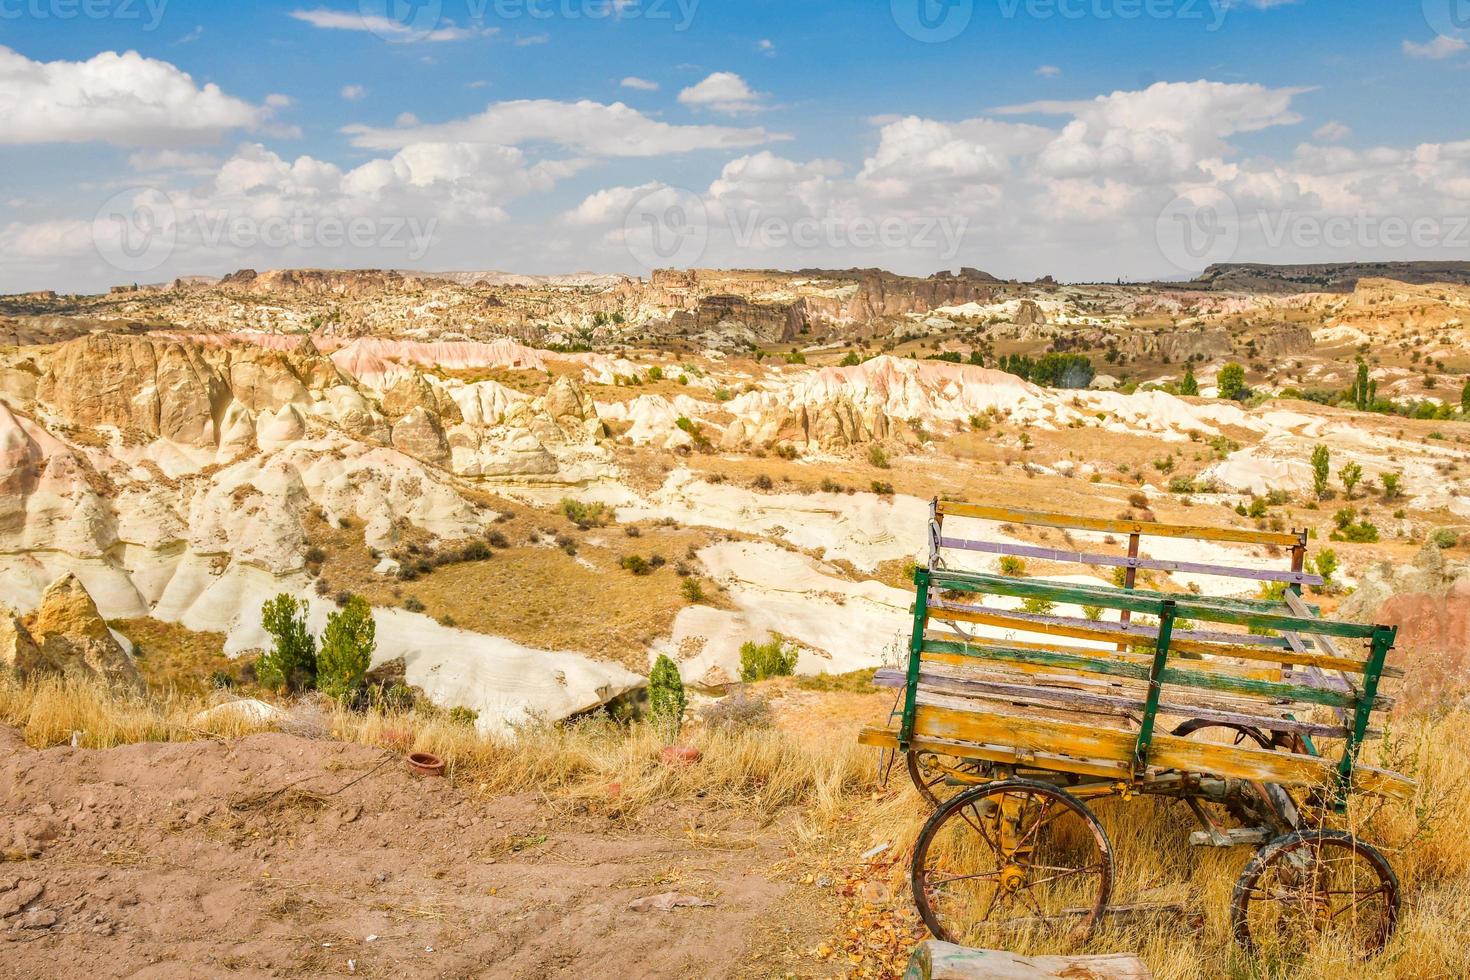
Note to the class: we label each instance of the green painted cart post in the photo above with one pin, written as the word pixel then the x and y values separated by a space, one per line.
pixel 1025 699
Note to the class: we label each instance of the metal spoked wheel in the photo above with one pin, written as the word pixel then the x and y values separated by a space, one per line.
pixel 938 777
pixel 1008 857
pixel 1312 886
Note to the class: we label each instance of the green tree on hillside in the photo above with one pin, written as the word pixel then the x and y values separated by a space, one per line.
pixel 1350 474
pixel 666 700
pixel 1321 467
pixel 1231 381
pixel 1465 399
pixel 1364 391
pixel 347 649
pixel 290 663
pixel 1189 386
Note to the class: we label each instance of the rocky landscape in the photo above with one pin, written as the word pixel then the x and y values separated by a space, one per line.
pixel 186 452
pixel 539 485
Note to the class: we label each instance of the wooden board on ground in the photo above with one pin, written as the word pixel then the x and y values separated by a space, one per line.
pixel 934 960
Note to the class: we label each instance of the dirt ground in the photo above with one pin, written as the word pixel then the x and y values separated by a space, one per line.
pixel 276 855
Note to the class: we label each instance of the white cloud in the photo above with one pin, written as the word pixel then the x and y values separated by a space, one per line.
pixel 1440 48
pixel 1048 71
pixel 125 99
pixel 384 27
pixel 352 92
pixel 1332 132
pixel 641 84
pixel 766 47
pixel 277 101
pixel 722 91
pixel 146 160
pixel 530 39
pixel 595 128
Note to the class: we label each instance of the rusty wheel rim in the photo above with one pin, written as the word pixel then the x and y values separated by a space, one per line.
pixel 1010 858
pixel 931 772
pixel 1315 886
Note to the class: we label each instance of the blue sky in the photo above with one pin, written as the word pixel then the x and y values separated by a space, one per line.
pixel 1069 137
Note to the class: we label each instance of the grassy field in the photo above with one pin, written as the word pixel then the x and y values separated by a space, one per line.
pixel 821 793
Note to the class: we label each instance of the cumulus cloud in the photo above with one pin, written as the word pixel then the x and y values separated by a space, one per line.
pixel 596 128
pixel 1048 71
pixel 723 91
pixel 641 84
pixel 1332 132
pixel 352 92
pixel 125 99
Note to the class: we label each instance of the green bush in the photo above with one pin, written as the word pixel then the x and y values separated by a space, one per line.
pixel 655 373
pixel 1444 538
pixel 666 700
pixel 877 457
pixel 882 489
pixel 347 649
pixel 1094 613
pixel 414 605
pixel 692 590
pixel 636 564
pixel 1012 566
pixel 586 515
pixel 1038 606
pixel 290 663
pixel 770 659
pixel 1393 485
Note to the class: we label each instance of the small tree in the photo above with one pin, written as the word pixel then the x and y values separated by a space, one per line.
pixel 1393 485
pixel 1326 564
pixel 1231 381
pixel 1465 398
pixel 1364 391
pixel 1189 386
pixel 666 700
pixel 1350 474
pixel 1321 470
pixel 348 643
pixel 290 663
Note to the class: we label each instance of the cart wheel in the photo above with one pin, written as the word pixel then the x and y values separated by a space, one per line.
pixel 1011 856
pixel 1241 732
pixel 937 777
pixel 1316 884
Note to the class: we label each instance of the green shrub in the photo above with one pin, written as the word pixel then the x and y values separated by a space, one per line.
pixel 877 457
pixel 1444 538
pixel 770 659
pixel 1094 613
pixel 655 373
pixel 461 715
pixel 586 515
pixel 1012 566
pixel 1038 606
pixel 636 564
pixel 850 360
pixel 347 649
pixel 666 700
pixel 1393 485
pixel 414 604
pixel 882 489
pixel 290 663
pixel 1350 475
pixel 692 590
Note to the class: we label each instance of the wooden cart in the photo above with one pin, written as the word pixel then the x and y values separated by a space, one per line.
pixel 1250 711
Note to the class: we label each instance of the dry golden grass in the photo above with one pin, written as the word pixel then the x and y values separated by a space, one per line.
pixel 170 655
pixel 834 808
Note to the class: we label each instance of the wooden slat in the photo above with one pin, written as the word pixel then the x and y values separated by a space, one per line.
pixel 1166 752
pixel 1067 699
pixel 884 738
pixel 1010 515
pixel 1237 612
pixel 1149 633
pixel 1269 690
pixel 1123 561
pixel 1259 673
pixel 1179 643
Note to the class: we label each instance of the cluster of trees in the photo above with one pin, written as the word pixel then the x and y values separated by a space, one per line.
pixel 296 662
pixel 1051 370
